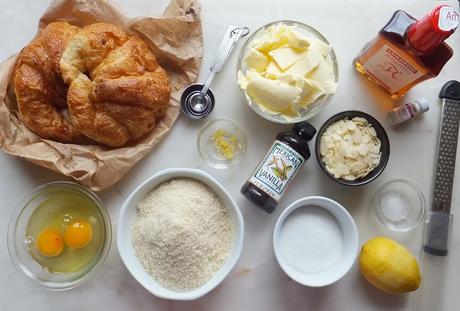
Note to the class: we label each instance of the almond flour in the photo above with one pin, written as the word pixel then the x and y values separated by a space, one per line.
pixel 182 234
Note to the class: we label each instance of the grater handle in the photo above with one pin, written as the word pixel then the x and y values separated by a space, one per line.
pixel 437 233
pixel 450 90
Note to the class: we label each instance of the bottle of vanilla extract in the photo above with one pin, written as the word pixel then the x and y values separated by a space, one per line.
pixel 283 160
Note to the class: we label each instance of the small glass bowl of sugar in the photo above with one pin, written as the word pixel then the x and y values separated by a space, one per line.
pixel 399 205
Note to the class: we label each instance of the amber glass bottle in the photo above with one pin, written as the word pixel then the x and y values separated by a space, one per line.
pixel 407 52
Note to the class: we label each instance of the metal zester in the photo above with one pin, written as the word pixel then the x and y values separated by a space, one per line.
pixel 439 219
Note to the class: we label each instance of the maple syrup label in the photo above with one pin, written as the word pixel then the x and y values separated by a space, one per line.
pixel 448 18
pixel 391 69
pixel 277 169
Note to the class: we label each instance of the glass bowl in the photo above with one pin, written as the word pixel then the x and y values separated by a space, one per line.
pixel 304 113
pixel 234 138
pixel 17 242
pixel 399 205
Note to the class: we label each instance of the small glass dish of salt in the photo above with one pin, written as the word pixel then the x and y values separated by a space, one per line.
pixel 399 205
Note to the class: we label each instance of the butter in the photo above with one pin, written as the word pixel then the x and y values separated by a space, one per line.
pixel 297 40
pixel 311 92
pixel 324 76
pixel 256 60
pixel 242 80
pixel 322 47
pixel 270 41
pixel 286 71
pixel 306 64
pixel 286 56
pixel 275 95
pixel 273 70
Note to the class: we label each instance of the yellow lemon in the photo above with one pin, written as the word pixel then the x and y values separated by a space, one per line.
pixel 389 266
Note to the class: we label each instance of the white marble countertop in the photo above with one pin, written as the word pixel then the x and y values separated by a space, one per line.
pixel 257 283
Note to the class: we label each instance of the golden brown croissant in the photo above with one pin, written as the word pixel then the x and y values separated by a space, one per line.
pixel 117 90
pixel 40 91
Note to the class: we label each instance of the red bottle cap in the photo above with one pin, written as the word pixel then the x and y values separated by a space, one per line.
pixel 430 31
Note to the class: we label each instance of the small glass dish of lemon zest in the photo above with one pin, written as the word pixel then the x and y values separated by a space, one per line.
pixel 224 143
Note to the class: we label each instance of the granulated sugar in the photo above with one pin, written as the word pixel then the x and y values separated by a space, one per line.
pixel 182 234
pixel 311 239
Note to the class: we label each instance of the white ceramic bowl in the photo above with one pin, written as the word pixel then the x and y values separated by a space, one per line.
pixel 126 250
pixel 349 241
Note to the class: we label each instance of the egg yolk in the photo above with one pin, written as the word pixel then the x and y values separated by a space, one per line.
pixel 50 243
pixel 78 234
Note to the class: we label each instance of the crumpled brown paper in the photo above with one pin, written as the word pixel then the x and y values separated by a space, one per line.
pixel 176 39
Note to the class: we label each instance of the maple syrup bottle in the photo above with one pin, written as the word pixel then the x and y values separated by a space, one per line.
pixel 283 160
pixel 407 52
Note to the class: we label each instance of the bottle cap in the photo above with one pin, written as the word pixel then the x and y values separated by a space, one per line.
pixel 430 31
pixel 423 104
pixel 304 129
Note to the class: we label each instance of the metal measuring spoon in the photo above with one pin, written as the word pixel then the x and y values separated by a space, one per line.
pixel 197 100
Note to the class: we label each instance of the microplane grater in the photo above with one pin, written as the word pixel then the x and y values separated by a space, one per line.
pixel 438 222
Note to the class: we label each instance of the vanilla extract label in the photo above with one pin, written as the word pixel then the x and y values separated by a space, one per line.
pixel 391 69
pixel 277 169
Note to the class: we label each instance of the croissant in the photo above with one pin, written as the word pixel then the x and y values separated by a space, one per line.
pixel 40 92
pixel 117 90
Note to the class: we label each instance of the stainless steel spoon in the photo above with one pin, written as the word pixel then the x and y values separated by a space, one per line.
pixel 197 100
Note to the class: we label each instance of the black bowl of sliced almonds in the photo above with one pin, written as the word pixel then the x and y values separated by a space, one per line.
pixel 352 148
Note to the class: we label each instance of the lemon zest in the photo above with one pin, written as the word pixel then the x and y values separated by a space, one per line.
pixel 224 143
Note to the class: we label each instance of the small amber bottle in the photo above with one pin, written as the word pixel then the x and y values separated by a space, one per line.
pixel 407 52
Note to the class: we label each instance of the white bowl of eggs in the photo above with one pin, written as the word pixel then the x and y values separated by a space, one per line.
pixel 180 234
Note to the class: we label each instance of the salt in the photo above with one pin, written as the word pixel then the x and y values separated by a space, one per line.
pixel 311 239
pixel 395 206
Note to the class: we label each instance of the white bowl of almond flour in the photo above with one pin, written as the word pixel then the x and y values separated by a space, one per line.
pixel 180 234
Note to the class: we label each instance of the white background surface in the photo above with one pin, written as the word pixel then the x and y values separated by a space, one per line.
pixel 257 283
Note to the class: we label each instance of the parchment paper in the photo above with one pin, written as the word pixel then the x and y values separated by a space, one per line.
pixel 176 39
